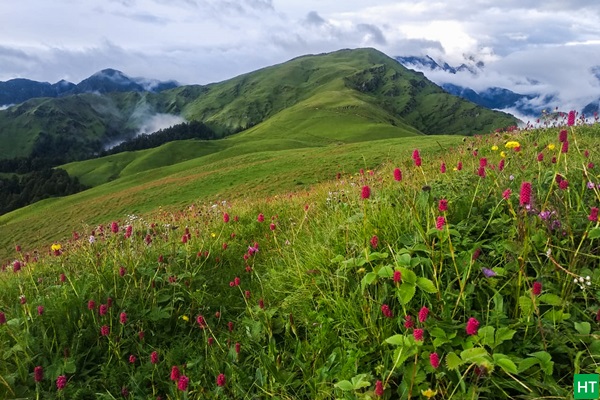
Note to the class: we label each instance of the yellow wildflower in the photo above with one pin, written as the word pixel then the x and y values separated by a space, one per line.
pixel 185 318
pixel 512 145
pixel 429 393
pixel 213 234
pixel 494 148
pixel 361 270
pixel 551 146
pixel 56 247
pixel 502 154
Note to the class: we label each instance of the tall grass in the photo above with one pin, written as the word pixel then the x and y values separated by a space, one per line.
pixel 332 293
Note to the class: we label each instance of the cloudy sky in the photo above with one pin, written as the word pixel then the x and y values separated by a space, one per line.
pixel 527 45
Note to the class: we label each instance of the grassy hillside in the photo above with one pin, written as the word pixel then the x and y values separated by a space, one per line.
pixel 452 273
pixel 365 81
pixel 398 94
pixel 251 167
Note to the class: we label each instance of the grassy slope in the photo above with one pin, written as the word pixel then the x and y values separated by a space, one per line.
pixel 221 175
pixel 333 322
pixel 364 78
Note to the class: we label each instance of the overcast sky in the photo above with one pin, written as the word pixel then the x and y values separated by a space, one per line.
pixel 555 43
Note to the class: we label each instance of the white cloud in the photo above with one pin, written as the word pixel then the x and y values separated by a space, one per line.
pixel 201 41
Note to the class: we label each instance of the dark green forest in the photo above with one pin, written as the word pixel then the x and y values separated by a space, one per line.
pixel 18 192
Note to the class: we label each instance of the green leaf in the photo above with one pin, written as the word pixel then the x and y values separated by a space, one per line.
pixel 346 386
pixel 403 353
pixel 594 233
pixel 337 259
pixel 408 276
pixel 426 285
pixel 386 271
pixel 527 363
pixel 550 299
pixel 474 355
pixel 505 363
pixel 584 328
pixel 403 259
pixel 503 334
pixel 556 316
pixel 487 335
pixel 437 333
pixel 158 313
pixel 359 382
pixel 368 279
pixel 405 293
pixel 377 256
pixel 70 367
pixel 545 361
pixel 453 361
pixel 396 340
pixel 526 305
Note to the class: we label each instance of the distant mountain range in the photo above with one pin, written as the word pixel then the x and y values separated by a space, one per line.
pixel 16 91
pixel 497 98
pixel 114 107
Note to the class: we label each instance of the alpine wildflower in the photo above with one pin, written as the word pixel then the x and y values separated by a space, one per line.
pixel 472 326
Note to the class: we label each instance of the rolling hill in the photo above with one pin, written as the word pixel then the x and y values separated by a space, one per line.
pixel 306 120
pixel 79 126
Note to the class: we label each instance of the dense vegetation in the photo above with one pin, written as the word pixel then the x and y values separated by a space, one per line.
pixel 186 130
pixel 18 191
pixel 460 273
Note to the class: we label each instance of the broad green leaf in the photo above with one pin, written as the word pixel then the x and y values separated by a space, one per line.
pixel 437 333
pixel 421 247
pixel 396 340
pixel 545 361
pixel 550 299
pixel 368 279
pixel 487 335
pixel 377 256
pixel 359 382
pixel 403 259
pixel 401 354
pixel 526 305
pixel 453 361
pixel 408 276
pixel 505 363
pixel 594 233
pixel 405 293
pixel 503 334
pixel 556 316
pixel 70 367
pixel 474 355
pixel 426 285
pixel 584 328
pixel 527 363
pixel 438 342
pixel 386 272
pixel 346 386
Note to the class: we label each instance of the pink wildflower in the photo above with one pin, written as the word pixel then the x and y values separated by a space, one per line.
pixel 418 334
pixel 472 326
pixel 397 174
pixel 365 193
pixel 525 194
pixel 434 360
pixel 423 313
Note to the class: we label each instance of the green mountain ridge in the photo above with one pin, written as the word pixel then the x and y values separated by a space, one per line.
pixel 78 126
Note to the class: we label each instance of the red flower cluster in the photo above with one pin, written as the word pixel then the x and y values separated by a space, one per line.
pixel 443 205
pixel 379 388
pixel 423 314
pixel 472 326
pixel 397 174
pixel 525 194
pixel 374 241
pixel 593 214
pixel 365 193
pixel 537 288
pixel 385 309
